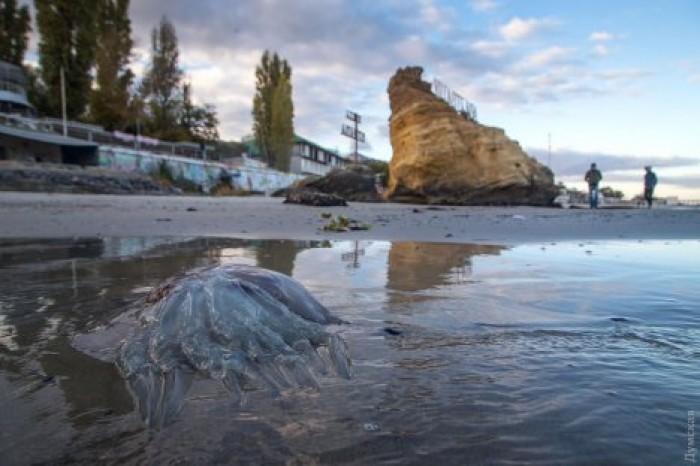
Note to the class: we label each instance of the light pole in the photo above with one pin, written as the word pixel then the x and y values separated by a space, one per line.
pixel 63 102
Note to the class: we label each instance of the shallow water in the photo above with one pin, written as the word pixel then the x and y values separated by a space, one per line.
pixel 567 353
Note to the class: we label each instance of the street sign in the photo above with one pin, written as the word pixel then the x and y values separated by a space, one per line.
pixel 352 116
pixel 348 131
pixel 352 133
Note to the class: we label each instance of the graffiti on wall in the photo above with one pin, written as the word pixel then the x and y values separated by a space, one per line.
pixel 205 174
pixel 262 179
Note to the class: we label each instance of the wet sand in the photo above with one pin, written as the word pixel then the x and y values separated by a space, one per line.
pixel 41 215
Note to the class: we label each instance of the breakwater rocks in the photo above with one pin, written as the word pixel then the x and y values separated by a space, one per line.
pixel 75 179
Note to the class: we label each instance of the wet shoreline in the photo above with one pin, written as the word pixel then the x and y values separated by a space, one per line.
pixel 536 353
pixel 41 215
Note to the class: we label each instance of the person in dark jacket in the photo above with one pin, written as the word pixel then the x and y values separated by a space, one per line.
pixel 650 181
pixel 593 177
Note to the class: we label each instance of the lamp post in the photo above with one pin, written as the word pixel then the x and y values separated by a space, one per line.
pixel 63 102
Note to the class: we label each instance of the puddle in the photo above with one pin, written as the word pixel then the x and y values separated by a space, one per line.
pixel 462 354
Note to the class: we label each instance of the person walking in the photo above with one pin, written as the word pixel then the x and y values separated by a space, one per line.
pixel 650 181
pixel 593 177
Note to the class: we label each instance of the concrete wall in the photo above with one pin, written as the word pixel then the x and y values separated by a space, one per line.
pixel 262 179
pixel 206 174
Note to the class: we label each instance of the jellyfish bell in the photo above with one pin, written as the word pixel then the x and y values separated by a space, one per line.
pixel 245 326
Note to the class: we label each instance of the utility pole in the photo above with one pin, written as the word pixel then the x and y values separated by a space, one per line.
pixel 549 157
pixel 63 102
pixel 352 132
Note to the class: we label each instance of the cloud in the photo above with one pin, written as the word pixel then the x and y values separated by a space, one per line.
pixel 343 52
pixel 550 55
pixel 568 162
pixel 484 5
pixel 518 29
pixel 694 78
pixel 492 49
pixel 601 50
pixel 601 36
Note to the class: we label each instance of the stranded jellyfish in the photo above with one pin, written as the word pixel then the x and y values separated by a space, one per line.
pixel 247 327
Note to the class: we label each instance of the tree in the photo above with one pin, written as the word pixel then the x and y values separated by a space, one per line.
pixel 67 42
pixel 200 122
pixel 607 191
pixel 273 110
pixel 160 88
pixel 110 98
pixel 281 128
pixel 14 31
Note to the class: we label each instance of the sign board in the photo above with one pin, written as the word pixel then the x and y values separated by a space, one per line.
pixel 348 131
pixel 352 133
pixel 353 116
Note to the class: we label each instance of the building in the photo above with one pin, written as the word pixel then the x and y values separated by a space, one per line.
pixel 24 138
pixel 13 90
pixel 309 158
pixel 27 140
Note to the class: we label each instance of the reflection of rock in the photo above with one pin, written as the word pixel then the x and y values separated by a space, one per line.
pixel 353 182
pixel 245 326
pixel 310 197
pixel 280 255
pixel 441 157
pixel 419 266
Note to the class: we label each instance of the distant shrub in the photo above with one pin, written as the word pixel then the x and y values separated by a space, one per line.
pixel 225 189
pixel 379 166
pixel 165 175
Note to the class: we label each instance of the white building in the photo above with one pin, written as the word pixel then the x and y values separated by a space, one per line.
pixel 309 158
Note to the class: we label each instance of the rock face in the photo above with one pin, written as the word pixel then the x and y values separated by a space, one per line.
pixel 353 182
pixel 442 157
pixel 311 197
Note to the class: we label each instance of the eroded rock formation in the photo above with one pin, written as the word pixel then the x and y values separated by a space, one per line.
pixel 442 157
pixel 306 196
pixel 353 182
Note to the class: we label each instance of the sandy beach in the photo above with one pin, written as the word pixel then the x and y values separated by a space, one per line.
pixel 41 215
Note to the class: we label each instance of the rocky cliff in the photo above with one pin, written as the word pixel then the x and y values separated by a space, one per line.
pixel 443 157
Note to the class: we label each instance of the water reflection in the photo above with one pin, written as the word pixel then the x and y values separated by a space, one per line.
pixel 419 266
pixel 533 353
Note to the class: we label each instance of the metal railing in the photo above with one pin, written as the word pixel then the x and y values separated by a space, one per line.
pixel 98 135
pixel 456 101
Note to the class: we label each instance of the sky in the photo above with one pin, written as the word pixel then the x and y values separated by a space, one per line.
pixel 616 82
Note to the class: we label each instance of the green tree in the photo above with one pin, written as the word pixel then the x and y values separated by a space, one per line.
pixel 200 122
pixel 110 98
pixel 281 126
pixel 607 191
pixel 273 110
pixel 14 31
pixel 67 42
pixel 160 88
